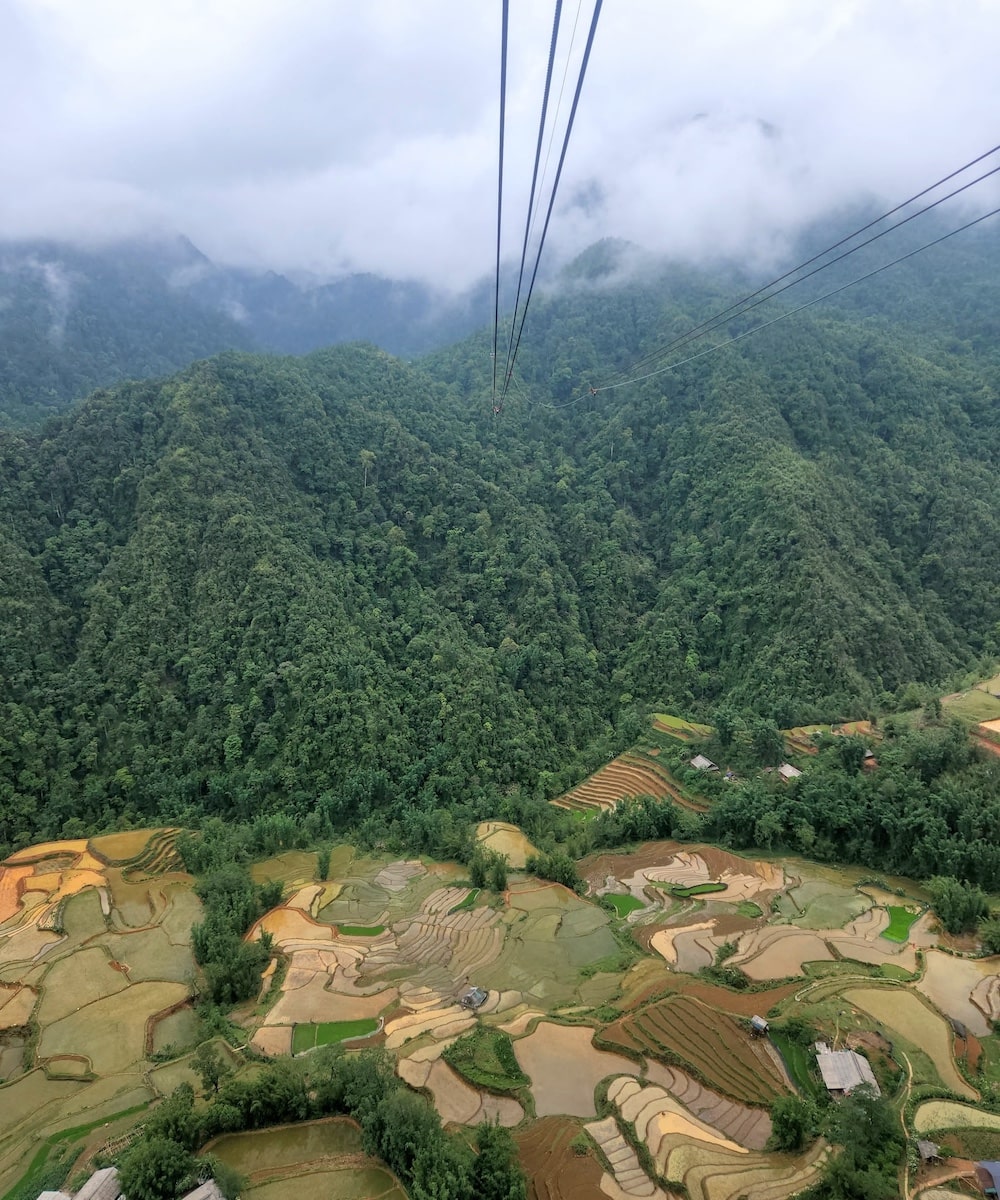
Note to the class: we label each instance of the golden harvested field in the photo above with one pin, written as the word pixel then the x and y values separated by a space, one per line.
pixel 111 1032
pixel 121 847
pixel 506 839
pixel 913 1019
pixel 946 1114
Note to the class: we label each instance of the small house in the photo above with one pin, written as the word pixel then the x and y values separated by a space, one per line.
pixel 206 1191
pixel 701 763
pixel 787 771
pixel 758 1026
pixel 102 1185
pixel 988 1177
pixel 474 998
pixel 930 1152
pixel 844 1070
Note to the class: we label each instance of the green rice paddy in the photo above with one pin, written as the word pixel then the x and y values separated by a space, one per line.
pixel 623 905
pixel 900 921
pixel 465 902
pixel 361 930
pixel 308 1037
pixel 694 889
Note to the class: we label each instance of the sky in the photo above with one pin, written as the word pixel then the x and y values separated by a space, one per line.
pixel 329 136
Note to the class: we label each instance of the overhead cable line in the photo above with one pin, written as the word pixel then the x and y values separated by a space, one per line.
pixel 552 197
pixel 782 316
pixel 562 92
pixel 740 307
pixel 503 114
pixel 529 219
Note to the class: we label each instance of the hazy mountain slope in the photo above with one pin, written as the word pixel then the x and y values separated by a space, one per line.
pixel 72 320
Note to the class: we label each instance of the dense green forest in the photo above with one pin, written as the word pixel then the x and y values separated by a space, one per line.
pixel 336 587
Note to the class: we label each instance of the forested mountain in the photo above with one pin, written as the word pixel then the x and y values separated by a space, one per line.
pixel 338 585
pixel 73 319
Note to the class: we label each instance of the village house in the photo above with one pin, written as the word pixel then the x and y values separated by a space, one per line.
pixel 787 771
pixel 701 763
pixel 844 1070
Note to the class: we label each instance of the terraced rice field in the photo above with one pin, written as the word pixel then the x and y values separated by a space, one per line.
pixel 749 1127
pixel 91 953
pixel 308 1037
pixel 677 727
pixel 691 1151
pixel 713 1045
pixel 914 1020
pixel 457 1102
pixel 629 775
pixel 626 1176
pixel 900 921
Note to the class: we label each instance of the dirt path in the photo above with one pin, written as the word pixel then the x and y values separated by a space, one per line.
pixel 985 743
pixel 902 1121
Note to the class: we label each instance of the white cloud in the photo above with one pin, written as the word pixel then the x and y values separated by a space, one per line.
pixel 329 136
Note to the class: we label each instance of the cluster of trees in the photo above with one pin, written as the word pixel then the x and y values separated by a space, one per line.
pixel 932 808
pixel 232 902
pixel 866 1129
pixel 397 1126
pixel 488 868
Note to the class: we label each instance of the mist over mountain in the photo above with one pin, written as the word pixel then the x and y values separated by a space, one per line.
pixel 74 318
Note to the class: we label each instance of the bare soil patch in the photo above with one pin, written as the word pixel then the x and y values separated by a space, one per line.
pixel 554 1169
pixel 565 1068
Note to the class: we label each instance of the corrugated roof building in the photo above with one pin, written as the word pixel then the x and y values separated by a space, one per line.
pixel 844 1070
pixel 207 1191
pixel 102 1185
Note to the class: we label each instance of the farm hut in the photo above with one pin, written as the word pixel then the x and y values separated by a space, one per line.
pixel 474 998
pixel 701 763
pixel 787 771
pixel 988 1177
pixel 758 1026
pixel 930 1152
pixel 844 1070
pixel 958 1029
pixel 206 1191
pixel 102 1185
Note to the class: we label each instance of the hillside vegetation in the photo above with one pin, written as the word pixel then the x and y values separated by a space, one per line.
pixel 336 586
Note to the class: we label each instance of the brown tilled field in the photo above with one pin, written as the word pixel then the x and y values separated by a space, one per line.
pixel 714 1045
pixel 555 1170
